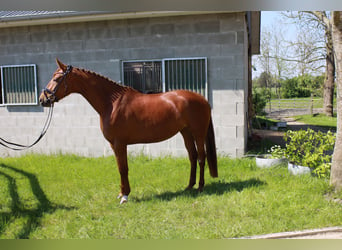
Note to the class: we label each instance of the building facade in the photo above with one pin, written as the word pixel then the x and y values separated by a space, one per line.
pixel 139 49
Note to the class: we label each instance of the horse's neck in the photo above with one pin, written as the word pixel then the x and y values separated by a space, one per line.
pixel 100 92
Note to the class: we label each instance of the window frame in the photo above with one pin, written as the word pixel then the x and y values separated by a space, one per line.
pixel 17 89
pixel 188 59
pixel 140 61
pixel 163 71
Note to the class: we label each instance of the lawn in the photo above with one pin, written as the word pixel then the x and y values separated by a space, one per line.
pixel 66 196
pixel 318 120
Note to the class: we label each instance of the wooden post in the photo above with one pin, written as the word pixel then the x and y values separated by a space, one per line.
pixel 311 105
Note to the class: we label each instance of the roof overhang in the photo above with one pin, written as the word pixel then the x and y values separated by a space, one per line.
pixel 88 16
pixel 253 22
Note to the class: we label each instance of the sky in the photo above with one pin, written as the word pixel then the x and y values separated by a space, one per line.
pixel 270 20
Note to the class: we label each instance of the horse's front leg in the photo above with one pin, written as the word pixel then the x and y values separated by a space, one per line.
pixel 121 159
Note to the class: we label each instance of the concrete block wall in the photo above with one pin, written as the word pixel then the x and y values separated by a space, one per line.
pixel 101 46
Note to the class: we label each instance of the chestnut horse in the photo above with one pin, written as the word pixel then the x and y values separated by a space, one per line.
pixel 129 117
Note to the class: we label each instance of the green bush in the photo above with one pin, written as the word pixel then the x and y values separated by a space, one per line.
pixel 302 86
pixel 260 98
pixel 277 152
pixel 291 89
pixel 311 149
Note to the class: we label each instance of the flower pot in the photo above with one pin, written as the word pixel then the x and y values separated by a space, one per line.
pixel 297 169
pixel 281 124
pixel 274 128
pixel 264 161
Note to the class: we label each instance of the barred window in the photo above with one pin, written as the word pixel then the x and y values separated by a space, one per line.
pixel 18 84
pixel 144 76
pixel 187 73
pixel 166 75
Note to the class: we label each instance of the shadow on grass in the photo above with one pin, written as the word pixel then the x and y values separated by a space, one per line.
pixel 322 128
pixel 215 188
pixel 33 216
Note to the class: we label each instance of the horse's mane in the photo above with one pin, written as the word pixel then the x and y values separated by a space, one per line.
pixel 116 85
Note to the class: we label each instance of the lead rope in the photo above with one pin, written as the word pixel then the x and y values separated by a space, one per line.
pixel 18 147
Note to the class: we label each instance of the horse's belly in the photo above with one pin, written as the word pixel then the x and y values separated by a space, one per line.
pixel 154 133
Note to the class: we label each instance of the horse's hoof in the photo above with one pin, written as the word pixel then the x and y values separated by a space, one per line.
pixel 124 199
pixel 119 196
pixel 189 187
pixel 200 189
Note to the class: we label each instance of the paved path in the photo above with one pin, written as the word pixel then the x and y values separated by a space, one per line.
pixel 323 233
pixel 277 136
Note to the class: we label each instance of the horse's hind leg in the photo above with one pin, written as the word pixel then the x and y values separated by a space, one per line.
pixel 201 161
pixel 191 148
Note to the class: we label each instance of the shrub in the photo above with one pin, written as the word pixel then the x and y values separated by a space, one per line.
pixel 302 86
pixel 260 98
pixel 277 152
pixel 311 149
pixel 291 88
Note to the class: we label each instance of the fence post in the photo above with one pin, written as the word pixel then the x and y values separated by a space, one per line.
pixel 311 105
pixel 270 105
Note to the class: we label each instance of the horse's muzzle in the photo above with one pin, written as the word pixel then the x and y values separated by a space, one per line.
pixel 46 99
pixel 45 103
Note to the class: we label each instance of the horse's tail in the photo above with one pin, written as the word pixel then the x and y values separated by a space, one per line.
pixel 211 150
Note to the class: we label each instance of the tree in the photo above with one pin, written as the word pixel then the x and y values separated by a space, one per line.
pixel 272 51
pixel 279 52
pixel 323 19
pixel 336 168
pixel 307 53
pixel 320 23
pixel 264 80
pixel 264 57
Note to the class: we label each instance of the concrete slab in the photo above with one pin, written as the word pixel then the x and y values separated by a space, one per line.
pixel 322 233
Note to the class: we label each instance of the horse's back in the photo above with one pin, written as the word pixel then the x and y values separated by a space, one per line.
pixel 189 98
pixel 144 118
pixel 196 103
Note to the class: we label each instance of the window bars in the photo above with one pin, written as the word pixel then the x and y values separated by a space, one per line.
pixel 18 84
pixel 151 76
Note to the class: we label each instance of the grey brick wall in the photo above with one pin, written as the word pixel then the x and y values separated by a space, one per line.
pixel 100 46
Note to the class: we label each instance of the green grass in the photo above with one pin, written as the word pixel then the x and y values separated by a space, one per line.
pixel 260 122
pixel 66 196
pixel 318 120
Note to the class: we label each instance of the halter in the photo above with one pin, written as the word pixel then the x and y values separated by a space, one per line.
pixel 52 93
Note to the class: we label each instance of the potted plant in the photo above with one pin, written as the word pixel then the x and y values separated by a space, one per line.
pixel 275 156
pixel 309 151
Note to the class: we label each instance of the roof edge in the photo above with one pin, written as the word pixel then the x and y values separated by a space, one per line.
pixel 88 16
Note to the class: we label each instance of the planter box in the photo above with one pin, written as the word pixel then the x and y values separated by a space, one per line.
pixel 281 124
pixel 297 169
pixel 274 128
pixel 264 161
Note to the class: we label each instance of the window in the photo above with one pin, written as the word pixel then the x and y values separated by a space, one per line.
pixel 190 74
pixel 18 85
pixel 144 76
pixel 166 75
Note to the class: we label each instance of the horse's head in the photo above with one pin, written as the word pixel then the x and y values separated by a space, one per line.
pixel 54 90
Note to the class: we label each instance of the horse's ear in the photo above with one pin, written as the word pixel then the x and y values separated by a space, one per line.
pixel 61 65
